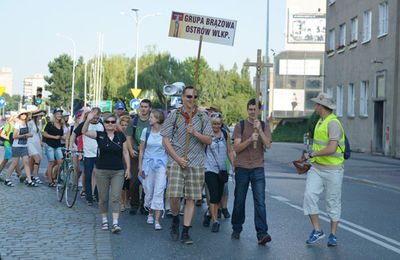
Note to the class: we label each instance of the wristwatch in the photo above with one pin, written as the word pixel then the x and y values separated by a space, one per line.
pixel 309 155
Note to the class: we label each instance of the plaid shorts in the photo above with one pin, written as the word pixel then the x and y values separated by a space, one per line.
pixel 185 183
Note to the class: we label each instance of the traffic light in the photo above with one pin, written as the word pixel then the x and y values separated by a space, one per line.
pixel 38 98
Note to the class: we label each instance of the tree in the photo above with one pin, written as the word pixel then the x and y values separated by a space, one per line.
pixel 60 81
pixel 11 102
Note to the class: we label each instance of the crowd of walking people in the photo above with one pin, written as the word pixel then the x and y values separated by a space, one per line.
pixel 156 164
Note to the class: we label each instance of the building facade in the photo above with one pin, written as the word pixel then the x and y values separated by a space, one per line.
pixel 298 70
pixel 6 80
pixel 362 71
pixel 30 87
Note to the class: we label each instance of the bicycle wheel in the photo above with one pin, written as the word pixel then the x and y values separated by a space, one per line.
pixel 60 186
pixel 71 188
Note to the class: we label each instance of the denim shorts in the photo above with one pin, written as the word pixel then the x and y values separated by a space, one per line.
pixel 7 153
pixel 19 151
pixel 53 154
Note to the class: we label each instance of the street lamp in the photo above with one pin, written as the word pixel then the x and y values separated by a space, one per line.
pixel 138 21
pixel 73 70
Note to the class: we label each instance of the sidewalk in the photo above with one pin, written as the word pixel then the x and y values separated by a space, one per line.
pixel 34 225
pixel 361 167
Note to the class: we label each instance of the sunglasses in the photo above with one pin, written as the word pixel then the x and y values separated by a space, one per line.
pixel 110 122
pixel 218 115
pixel 190 96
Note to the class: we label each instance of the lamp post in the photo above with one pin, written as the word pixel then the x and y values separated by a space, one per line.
pixel 138 21
pixel 73 70
pixel 266 69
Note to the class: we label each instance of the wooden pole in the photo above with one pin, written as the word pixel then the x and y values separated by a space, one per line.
pixel 258 75
pixel 194 93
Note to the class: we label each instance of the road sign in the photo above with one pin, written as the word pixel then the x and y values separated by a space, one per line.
pixel 175 101
pixel 2 90
pixel 135 103
pixel 106 105
pixel 213 29
pixel 135 92
pixel 2 102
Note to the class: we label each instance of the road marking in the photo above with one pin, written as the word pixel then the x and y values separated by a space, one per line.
pixel 347 225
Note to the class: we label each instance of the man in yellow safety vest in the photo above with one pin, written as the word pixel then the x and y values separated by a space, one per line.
pixel 327 169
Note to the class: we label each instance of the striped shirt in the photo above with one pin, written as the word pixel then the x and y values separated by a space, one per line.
pixel 196 154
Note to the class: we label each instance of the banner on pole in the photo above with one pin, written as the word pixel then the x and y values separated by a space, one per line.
pixel 213 29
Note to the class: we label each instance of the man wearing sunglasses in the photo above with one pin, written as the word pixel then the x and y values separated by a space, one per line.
pixel 249 168
pixel 185 177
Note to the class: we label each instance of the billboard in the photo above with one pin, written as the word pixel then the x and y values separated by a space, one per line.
pixel 310 67
pixel 306 28
pixel 213 29
pixel 288 100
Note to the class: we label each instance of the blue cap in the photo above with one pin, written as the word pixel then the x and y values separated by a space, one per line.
pixel 65 114
pixel 120 105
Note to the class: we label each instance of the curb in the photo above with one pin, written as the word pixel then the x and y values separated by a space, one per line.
pixel 378 184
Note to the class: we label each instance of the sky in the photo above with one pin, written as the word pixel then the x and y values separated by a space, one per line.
pixel 29 42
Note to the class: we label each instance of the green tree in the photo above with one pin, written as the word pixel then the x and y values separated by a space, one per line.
pixel 11 102
pixel 60 81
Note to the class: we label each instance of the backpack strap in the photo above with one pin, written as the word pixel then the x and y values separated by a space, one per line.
pixel 242 126
pixel 148 131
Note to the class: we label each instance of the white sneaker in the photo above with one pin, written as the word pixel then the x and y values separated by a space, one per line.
pixel 150 219
pixel 157 226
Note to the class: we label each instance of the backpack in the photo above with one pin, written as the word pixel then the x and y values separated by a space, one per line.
pixel 10 138
pixel 347 150
pixel 242 126
pixel 148 131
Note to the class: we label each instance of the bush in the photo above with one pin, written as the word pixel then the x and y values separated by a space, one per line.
pixel 287 131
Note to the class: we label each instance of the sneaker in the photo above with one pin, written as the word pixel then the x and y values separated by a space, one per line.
pixel 116 228
pixel 225 212
pixel 90 203
pixel 315 236
pixel 235 235
pixel 262 240
pixel 31 184
pixel 104 226
pixel 206 220
pixel 150 219
pixel 174 231
pixel 215 227
pixel 181 212
pixel 38 181
pixel 157 226
pixel 8 183
pixel 168 212
pixel 186 239
pixel 332 240
pixel 133 211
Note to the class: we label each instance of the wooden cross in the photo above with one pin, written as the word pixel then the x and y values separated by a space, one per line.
pixel 258 66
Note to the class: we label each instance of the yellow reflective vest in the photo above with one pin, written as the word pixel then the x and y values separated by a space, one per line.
pixel 321 141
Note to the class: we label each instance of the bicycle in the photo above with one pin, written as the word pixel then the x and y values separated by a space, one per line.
pixel 67 180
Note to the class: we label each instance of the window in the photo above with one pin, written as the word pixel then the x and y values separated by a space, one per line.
pixel 331 40
pixel 342 37
pixel 351 97
pixel 339 101
pixel 331 2
pixel 380 85
pixel 367 20
pixel 364 98
pixel 383 18
pixel 354 30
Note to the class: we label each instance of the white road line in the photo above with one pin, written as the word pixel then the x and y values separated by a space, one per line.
pixel 344 223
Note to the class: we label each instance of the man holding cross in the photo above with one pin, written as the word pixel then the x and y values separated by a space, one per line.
pixel 185 175
pixel 249 168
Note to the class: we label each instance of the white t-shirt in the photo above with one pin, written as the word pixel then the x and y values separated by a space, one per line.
pixel 89 144
pixel 154 147
pixel 21 142
pixel 35 131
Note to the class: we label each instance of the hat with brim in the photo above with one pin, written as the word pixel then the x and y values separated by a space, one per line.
pixel 23 111
pixel 325 99
pixel 39 112
pixel 214 108
pixel 58 110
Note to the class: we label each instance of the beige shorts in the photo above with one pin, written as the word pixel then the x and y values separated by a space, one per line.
pixel 185 183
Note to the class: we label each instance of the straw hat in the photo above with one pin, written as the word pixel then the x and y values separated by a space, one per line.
pixel 325 99
pixel 214 108
pixel 39 112
pixel 23 111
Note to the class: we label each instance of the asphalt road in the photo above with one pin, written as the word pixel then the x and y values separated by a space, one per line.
pixel 369 227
